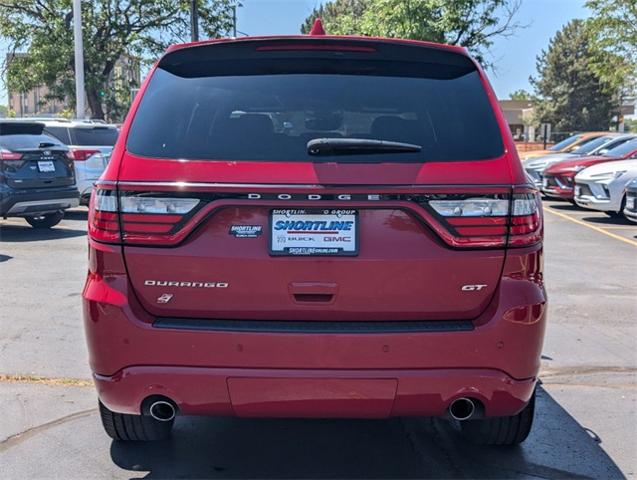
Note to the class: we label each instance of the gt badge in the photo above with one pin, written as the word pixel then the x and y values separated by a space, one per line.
pixel 472 288
pixel 165 298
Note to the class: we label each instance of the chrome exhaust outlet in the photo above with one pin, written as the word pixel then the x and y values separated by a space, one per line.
pixel 162 411
pixel 462 409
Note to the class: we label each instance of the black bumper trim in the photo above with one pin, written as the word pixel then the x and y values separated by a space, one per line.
pixel 294 326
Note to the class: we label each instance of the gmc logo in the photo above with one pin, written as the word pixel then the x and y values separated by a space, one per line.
pixel 472 288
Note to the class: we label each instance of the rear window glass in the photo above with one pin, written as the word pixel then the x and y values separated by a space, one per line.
pixel 18 128
pixel 273 116
pixel 61 133
pixel 93 136
pixel 18 142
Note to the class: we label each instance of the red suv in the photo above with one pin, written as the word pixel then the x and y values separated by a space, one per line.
pixel 315 226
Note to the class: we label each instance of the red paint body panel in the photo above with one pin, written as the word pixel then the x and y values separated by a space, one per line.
pixel 406 269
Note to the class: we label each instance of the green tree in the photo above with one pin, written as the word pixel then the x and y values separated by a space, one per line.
pixel 571 95
pixel 521 95
pixel 470 23
pixel 112 29
pixel 613 31
pixel 4 111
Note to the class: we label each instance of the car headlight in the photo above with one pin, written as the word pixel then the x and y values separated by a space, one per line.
pixel 536 166
pixel 607 176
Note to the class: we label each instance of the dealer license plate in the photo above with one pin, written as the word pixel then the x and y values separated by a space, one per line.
pixel 630 203
pixel 313 232
pixel 46 166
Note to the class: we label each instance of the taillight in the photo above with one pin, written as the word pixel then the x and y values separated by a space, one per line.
pixel 81 154
pixel 103 219
pixel 138 218
pixel 525 223
pixel 10 161
pixel 9 155
pixel 489 221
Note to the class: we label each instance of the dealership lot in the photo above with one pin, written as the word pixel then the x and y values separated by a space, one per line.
pixel 586 415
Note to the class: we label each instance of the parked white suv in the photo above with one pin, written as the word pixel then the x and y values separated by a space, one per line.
pixel 90 143
pixel 603 186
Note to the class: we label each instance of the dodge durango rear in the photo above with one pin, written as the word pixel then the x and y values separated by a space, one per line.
pixel 315 226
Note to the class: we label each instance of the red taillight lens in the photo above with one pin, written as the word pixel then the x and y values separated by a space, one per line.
pixel 526 222
pixel 138 218
pixel 6 155
pixel 80 154
pixel 103 219
pixel 489 221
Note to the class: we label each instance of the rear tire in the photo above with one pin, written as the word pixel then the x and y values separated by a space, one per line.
pixel 45 221
pixel 127 428
pixel 500 430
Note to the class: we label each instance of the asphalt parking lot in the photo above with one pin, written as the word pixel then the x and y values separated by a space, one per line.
pixel 586 418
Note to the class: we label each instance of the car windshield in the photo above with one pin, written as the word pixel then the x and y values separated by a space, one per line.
pixel 558 147
pixel 591 145
pixel 93 136
pixel 622 150
pixel 273 117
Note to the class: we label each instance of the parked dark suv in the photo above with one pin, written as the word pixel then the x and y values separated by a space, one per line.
pixel 37 179
pixel 315 226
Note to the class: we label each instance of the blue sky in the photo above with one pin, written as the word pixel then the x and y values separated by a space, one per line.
pixel 514 57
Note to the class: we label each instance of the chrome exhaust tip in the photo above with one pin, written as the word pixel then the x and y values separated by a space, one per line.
pixel 162 411
pixel 462 409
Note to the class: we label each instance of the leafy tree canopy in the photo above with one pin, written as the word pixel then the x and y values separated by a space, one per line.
pixel 572 96
pixel 521 95
pixel 613 31
pixel 112 29
pixel 470 23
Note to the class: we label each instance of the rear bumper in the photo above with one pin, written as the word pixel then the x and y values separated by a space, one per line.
pixel 21 203
pixel 324 372
pixel 313 393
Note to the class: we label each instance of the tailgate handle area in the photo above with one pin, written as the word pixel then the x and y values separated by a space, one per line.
pixel 313 292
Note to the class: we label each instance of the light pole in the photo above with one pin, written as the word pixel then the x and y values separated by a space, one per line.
pixel 79 59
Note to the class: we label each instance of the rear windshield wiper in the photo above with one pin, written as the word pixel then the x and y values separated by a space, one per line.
pixel 357 146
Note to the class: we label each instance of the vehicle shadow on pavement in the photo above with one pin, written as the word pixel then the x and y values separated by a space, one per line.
pixel 20 233
pixel 559 447
pixel 568 207
pixel 606 220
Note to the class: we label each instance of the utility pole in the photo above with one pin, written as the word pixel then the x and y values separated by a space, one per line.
pixel 79 59
pixel 194 21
